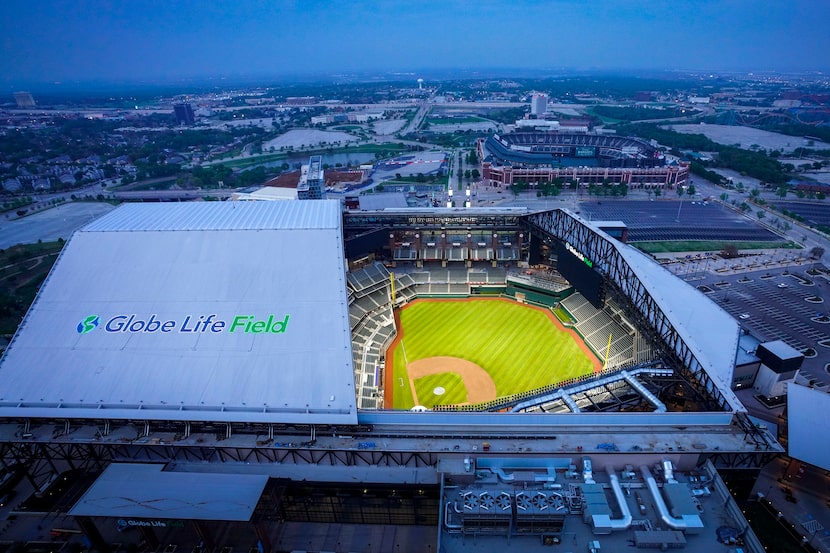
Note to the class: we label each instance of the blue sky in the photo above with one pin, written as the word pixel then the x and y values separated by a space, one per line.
pixel 147 40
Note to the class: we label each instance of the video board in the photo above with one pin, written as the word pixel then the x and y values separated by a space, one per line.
pixel 579 272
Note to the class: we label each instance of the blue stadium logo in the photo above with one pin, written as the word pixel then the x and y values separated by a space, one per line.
pixel 89 324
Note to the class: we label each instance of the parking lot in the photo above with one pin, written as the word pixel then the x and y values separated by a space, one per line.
pixel 674 219
pixel 816 212
pixel 51 224
pixel 425 163
pixel 779 303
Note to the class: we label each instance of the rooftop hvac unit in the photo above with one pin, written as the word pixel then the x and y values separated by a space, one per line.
pixel 556 502
pixel 540 501
pixel 486 501
pixel 470 500
pixel 522 501
pixel 503 501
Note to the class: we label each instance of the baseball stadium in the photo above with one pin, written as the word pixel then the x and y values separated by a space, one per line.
pixel 290 376
pixel 584 158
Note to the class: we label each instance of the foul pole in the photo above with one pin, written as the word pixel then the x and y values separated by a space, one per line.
pixel 607 351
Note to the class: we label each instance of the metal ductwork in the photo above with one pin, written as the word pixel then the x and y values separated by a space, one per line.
pixel 631 380
pixel 684 522
pixel 569 401
pixel 503 476
pixel 624 522
pixel 566 394
pixel 601 520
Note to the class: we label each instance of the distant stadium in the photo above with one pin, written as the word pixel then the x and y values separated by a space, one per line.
pixel 570 149
pixel 586 158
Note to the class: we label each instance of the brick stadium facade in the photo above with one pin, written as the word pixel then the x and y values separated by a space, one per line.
pixel 668 177
pixel 533 157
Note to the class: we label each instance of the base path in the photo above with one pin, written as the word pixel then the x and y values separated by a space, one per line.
pixel 479 384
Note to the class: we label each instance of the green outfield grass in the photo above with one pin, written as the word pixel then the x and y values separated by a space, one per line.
pixel 454 390
pixel 519 346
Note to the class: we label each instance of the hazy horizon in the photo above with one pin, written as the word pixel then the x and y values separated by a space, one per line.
pixel 154 42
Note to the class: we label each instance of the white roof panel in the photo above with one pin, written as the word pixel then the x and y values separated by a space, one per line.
pixel 220 216
pixel 144 491
pixel 710 332
pixel 808 431
pixel 232 311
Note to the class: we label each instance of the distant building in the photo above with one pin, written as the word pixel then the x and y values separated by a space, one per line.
pixel 24 99
pixel 322 119
pixel 184 114
pixel 312 182
pixel 285 180
pixel 300 100
pixel 575 125
pixel 344 178
pixel 267 194
pixel 538 104
pixel 699 99
pixel 549 125
pixel 780 364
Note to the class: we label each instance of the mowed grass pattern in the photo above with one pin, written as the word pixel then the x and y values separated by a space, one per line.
pixel 519 346
pixel 454 390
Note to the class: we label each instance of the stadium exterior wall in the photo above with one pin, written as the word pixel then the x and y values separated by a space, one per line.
pixel 669 177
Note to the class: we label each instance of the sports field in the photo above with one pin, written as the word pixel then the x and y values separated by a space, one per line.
pixel 451 352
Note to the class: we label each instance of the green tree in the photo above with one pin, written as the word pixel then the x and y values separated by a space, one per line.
pixel 692 190
pixel 781 191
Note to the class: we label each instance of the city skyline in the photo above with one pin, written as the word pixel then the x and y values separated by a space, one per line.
pixel 147 41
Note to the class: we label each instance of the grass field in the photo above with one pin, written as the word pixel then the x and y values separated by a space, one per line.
pixel 708 246
pixel 520 347
pixel 453 385
pixel 22 270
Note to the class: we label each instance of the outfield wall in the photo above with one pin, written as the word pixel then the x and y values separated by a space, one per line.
pixel 536 296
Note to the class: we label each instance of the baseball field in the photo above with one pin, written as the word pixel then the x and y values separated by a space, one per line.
pixel 453 352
